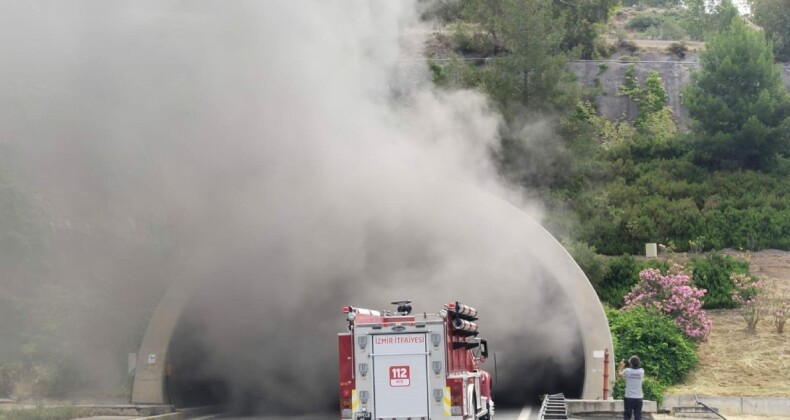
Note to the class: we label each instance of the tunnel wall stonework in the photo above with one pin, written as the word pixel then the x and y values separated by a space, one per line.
pixel 150 375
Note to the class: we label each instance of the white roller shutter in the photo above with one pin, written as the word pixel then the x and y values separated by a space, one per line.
pixel 400 375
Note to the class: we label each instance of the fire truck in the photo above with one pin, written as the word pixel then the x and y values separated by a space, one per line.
pixel 413 366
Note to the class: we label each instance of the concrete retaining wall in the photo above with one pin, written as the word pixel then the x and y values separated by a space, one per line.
pixel 605 409
pixel 772 406
pixel 608 75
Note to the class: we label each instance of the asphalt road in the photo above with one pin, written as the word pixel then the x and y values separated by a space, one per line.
pixel 527 413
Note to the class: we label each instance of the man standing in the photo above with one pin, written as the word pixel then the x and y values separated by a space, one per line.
pixel 633 376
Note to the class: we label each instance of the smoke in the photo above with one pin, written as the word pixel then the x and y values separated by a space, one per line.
pixel 280 155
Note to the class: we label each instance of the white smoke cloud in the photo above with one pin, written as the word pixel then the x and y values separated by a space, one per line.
pixel 262 143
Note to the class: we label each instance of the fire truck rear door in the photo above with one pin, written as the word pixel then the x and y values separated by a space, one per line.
pixel 400 376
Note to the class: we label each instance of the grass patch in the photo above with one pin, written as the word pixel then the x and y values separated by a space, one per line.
pixel 46 413
pixel 735 363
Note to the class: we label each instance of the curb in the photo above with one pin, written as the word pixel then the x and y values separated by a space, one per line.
pixel 202 412
pixel 757 406
pixel 169 416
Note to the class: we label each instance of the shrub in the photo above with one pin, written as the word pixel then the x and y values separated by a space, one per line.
pixel 442 10
pixel 750 296
pixel 641 23
pixel 473 43
pixel 621 274
pixel 658 3
pixel 668 29
pixel 593 266
pixel 9 375
pixel 671 293
pixel 652 389
pixel 629 46
pixel 667 355
pixel 712 273
pixel 679 49
pixel 780 312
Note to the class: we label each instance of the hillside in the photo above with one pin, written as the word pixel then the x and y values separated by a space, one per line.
pixel 734 362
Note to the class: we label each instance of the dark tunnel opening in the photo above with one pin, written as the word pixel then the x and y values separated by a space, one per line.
pixel 207 368
pixel 186 383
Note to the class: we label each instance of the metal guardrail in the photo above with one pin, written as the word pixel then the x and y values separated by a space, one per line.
pixel 553 407
pixel 700 403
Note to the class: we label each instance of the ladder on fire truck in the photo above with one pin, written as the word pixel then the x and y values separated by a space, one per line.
pixel 553 407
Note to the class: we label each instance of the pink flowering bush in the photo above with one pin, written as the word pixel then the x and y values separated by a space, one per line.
pixel 673 295
pixel 750 295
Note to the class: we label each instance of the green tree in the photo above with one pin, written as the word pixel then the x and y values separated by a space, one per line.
pixel 774 17
pixel 584 21
pixel 723 15
pixel 531 72
pixel 738 101
pixel 705 17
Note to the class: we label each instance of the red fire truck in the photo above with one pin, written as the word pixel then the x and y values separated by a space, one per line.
pixel 413 366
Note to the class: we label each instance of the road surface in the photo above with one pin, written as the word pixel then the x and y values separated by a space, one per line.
pixel 527 413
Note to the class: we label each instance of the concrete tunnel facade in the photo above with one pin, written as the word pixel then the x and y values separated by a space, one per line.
pixel 149 386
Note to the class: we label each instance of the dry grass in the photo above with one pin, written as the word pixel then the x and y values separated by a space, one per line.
pixel 729 417
pixel 734 362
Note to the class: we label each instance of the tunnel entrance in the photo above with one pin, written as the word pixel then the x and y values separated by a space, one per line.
pixel 188 382
pixel 538 360
pixel 228 350
pixel 256 327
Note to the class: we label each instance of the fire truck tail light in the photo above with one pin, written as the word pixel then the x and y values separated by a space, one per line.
pixel 456 391
pixel 346 393
pixel 437 367
pixel 456 396
pixel 346 413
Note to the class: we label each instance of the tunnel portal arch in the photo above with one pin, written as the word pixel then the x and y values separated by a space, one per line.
pixel 150 376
